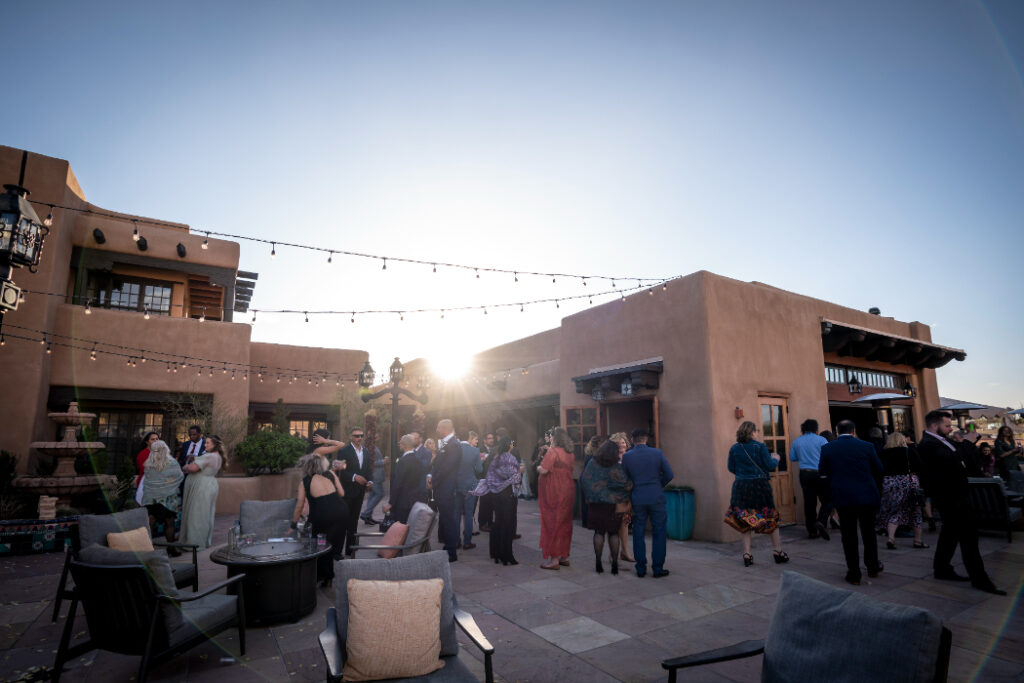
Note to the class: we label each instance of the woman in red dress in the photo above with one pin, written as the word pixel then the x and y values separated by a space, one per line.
pixel 557 494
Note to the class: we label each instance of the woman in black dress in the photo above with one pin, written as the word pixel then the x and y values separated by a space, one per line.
pixel 606 486
pixel 328 513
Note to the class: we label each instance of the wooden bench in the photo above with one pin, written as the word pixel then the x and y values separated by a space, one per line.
pixel 991 505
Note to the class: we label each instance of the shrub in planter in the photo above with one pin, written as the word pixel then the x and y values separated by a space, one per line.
pixel 270 452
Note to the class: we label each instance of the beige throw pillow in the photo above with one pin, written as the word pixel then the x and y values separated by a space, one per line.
pixel 395 535
pixel 393 629
pixel 136 540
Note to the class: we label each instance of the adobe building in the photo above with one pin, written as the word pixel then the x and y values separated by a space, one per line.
pixel 159 313
pixel 690 362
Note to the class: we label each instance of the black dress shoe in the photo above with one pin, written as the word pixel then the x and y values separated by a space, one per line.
pixel 854 580
pixel 370 521
pixel 950 575
pixel 823 532
pixel 989 588
pixel 641 573
pixel 873 573
pixel 660 573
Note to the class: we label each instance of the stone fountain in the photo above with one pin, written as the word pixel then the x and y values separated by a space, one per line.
pixel 65 481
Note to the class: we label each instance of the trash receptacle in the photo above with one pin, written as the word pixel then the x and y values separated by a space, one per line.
pixel 680 506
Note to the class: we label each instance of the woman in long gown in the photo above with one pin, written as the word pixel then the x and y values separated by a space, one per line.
pixel 557 495
pixel 201 490
pixel 328 512
pixel 160 489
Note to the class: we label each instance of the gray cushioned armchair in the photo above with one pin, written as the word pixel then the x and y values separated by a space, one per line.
pixel 420 566
pixel 822 633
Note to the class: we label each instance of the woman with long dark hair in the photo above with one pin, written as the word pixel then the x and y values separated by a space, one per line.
pixel 1007 453
pixel 201 490
pixel 502 484
pixel 607 489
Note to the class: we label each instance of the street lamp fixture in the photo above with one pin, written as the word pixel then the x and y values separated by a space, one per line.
pixel 397 371
pixel 366 376
pixel 21 240
pixel 909 390
pixel 853 384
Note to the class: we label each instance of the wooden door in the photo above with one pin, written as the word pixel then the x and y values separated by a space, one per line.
pixel 775 430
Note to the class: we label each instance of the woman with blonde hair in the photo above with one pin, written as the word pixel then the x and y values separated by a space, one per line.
pixel 328 513
pixel 624 444
pixel 900 492
pixel 557 496
pixel 160 489
pixel 751 505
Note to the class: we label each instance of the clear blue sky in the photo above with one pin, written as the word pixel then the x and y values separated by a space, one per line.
pixel 867 153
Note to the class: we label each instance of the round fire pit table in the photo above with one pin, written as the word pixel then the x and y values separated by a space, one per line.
pixel 280 577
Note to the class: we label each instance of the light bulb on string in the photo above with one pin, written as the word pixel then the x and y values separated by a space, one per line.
pixel 232 375
pixel 306 313
pixel 401 316
pixel 42 342
pixel 516 276
pixel 88 308
pixel 613 283
pixel 225 370
pixel 330 257
pixel 145 314
pixel 650 292
pixel 485 310
pixel 92 354
pixel 202 315
pixel 584 281
pixel 168 368
pixel 133 363
pixel 435 267
pixel 552 280
pixel 128 362
pixel 254 315
pixel 623 295
pixel 353 319
pixel 521 309
pixel 590 300
pixel 199 372
pixel 385 266
pixel 21 297
pixel 142 356
pixel 49 349
pixel 184 362
pixel 664 286
pixel 442 314
pixel 206 242
pixel 477 271
pixel 210 374
pixel 48 221
pixel 557 305
pixel 279 379
pixel 3 340
pixel 135 231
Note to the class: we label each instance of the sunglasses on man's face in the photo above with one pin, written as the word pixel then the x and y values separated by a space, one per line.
pixel 357 436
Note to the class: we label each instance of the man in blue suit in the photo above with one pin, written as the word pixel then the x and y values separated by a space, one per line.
pixel 443 479
pixel 650 472
pixel 852 469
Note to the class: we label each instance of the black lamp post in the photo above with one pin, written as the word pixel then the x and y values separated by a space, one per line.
pixel 397 374
pixel 21 241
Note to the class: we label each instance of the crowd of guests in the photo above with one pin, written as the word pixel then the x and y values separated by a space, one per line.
pixel 180 490
pixel 862 487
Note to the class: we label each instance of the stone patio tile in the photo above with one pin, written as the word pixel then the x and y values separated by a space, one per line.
pixel 679 607
pixel 943 607
pixel 498 599
pixel 961 591
pixel 706 633
pixel 629 660
pixel 537 613
pixel 739 670
pixel 1006 645
pixel 719 596
pixel 968 665
pixel 632 619
pixel 579 634
pixel 763 608
pixel 271 669
pixel 300 636
pixel 549 587
pixel 591 600
pixel 306 665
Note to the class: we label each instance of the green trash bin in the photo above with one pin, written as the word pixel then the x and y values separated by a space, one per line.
pixel 680 506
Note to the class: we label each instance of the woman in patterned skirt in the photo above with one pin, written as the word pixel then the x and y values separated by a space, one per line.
pixel 752 507
pixel 899 505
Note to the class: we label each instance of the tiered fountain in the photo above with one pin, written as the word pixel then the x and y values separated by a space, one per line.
pixel 65 481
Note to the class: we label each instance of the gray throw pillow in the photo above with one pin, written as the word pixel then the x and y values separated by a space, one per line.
pixel 420 519
pixel 94 528
pixel 823 633
pixel 421 566
pixel 157 565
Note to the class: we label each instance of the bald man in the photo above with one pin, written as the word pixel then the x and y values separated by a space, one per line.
pixel 443 479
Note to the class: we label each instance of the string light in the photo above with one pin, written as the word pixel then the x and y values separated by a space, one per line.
pixel 88 308
pixel 145 314
pixel 48 221
pixel 206 242
pixel 49 349
pixel 142 357
pixel 584 281
pixel 477 270
pixel 273 249
pixel 92 354
pixel 330 257
pixel 385 266
pixel 353 316
pixel 664 286
pixel 254 316
pixel 516 276
pixel 305 312
pixel 435 267
pixel 42 342
pixel 135 231
pixel 21 297
pixel 202 315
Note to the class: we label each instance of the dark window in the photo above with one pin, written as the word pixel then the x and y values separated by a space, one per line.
pixel 125 293
pixel 122 430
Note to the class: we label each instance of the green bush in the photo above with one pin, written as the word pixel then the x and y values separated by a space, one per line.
pixel 269 452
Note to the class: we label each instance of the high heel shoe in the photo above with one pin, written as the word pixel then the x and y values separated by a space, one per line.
pixel 748 559
pixel 890 545
pixel 496 560
pixel 781 557
pixel 599 568
pixel 506 563
pixel 615 568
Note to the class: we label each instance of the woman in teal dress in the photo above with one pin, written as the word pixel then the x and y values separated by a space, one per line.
pixel 201 494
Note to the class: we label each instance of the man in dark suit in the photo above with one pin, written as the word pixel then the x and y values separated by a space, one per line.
pixel 946 470
pixel 405 491
pixel 194 447
pixel 650 472
pixel 851 469
pixel 443 479
pixel 356 479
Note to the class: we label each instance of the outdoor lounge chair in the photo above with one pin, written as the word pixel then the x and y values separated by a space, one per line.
pixel 422 526
pixel 94 529
pixel 990 505
pixel 420 566
pixel 129 612
pixel 823 633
